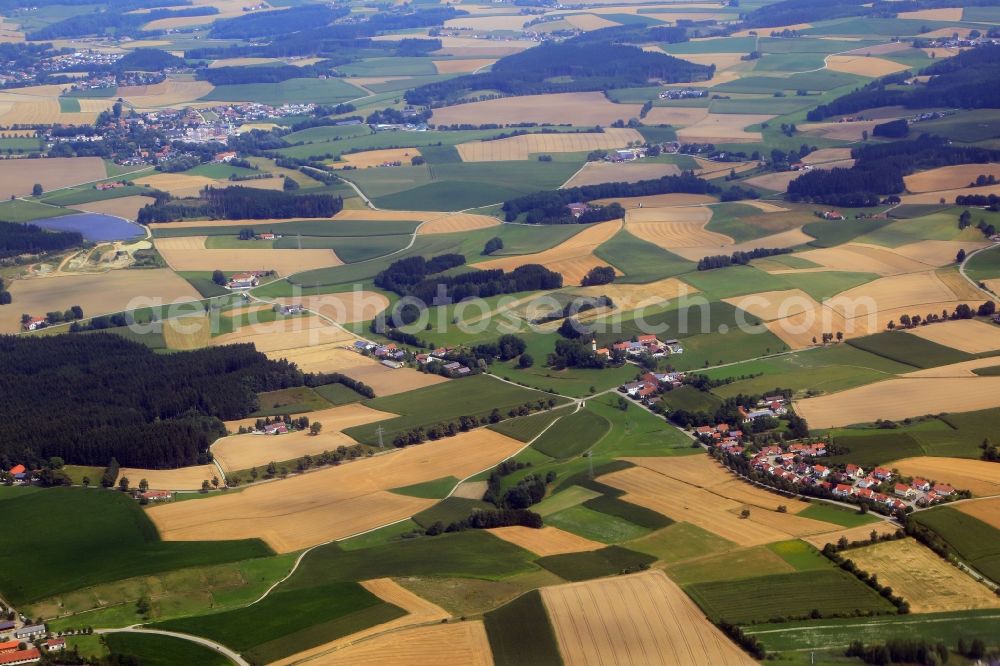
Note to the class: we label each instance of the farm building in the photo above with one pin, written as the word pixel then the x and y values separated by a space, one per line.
pixel 31 656
pixel 30 631
pixel 243 281
pixel 55 644
pixel 9 646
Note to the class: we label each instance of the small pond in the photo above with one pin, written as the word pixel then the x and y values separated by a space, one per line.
pixel 95 227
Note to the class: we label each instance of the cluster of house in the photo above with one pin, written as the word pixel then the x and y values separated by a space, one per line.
pixel 652 383
pixel 641 345
pixel 34 323
pixel 684 93
pixel 292 309
pixel 771 406
pixel 15 72
pixel 388 355
pixel 439 355
pixel 244 280
pixel 796 464
pixel 30 635
pixel 832 215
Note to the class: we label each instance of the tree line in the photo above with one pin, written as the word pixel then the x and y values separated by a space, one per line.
pixel 240 203
pixel 114 21
pixel 739 258
pixel 22 238
pixel 88 398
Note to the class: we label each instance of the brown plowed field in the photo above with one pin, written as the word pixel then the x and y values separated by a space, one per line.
pixel 968 335
pixel 723 128
pixel 332 503
pixel 865 259
pixel 979 476
pixel 463 643
pixel 523 146
pixel 643 618
pixel 863 65
pixel 546 541
pixel 572 258
pixel 183 478
pixel 126 207
pixel 928 583
pixel 896 399
pixel 17 177
pixel 102 293
pixel 287 334
pixel 462 66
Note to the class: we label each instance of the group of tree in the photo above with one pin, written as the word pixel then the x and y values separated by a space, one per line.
pixel 465 423
pixel 241 203
pixel 22 238
pixel 739 258
pixel 403 274
pixel 493 245
pixel 164 412
pixel 964 80
pixel 879 170
pixel 961 311
pixel 5 297
pixel 575 353
pixel 478 284
pixel 114 21
pixel 906 651
pixel 574 307
pixel 573 65
pixel 598 275
pixel 894 129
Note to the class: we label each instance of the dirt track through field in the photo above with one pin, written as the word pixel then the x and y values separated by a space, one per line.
pixel 928 583
pixel 642 618
pixel 332 503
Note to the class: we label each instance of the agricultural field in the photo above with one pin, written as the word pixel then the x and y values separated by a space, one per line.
pixel 19 176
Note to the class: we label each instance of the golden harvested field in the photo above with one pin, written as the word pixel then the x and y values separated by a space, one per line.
pixel 188 253
pixel 227 9
pixel 588 22
pixel 240 452
pixel 189 332
pixel 678 116
pixel 859 533
pixel 488 23
pixel 978 476
pixel 771 305
pixel 940 14
pixel 949 195
pixel 594 173
pixel 864 258
pixel 827 155
pixel 470 490
pixel 707 168
pixel 463 643
pixel 723 127
pixel 332 503
pixel 285 334
pixel 345 307
pixel 240 62
pixel 167 93
pixel 47 112
pixel 949 177
pixel 375 158
pixel 968 335
pixel 642 618
pixel 328 357
pixel 178 184
pixel 521 147
pixel 386 381
pixel 456 222
pixel 462 66
pixel 789 238
pixel 184 478
pixel 710 510
pixel 17 177
pixel 766 206
pixel 863 65
pixel 660 201
pixel 800 329
pixel 776 182
pixel 630 296
pixel 993 285
pixel 124 207
pixel 930 584
pixel 938 252
pixel 987 510
pixel 584 109
pixel 103 293
pixel 573 258
pixel 545 541
pixel 962 369
pixel 900 398
pixel 793 26
pixel 889 293
pixel 675 227
pixel 332 418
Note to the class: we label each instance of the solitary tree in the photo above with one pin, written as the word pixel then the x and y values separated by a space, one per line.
pixel 315 427
pixel 215 481
pixel 960 257
pixel 143 485
pixel 218 277
pixel 123 484
pixel 37 190
pixel 525 361
pixel 205 486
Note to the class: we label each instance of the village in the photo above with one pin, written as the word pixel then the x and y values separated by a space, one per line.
pixel 22 642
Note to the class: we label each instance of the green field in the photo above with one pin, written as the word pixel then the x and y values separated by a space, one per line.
pixel 800 554
pixel 572 435
pixel 636 432
pixel 985 265
pixel 338 394
pixel 633 513
pixel 21 210
pixel 159 650
pixel 641 261
pixel 526 428
pixel 450 510
pixel 691 399
pixel 295 400
pixel 436 489
pixel 830 233
pixel 595 525
pixel 966 127
pixel 520 632
pixel 909 349
pixel 292 91
pixel 595 563
pixel 59 530
pixel 471 396
pixel 838 515
pixel 291 620
pixel 766 598
pixel 976 542
pixel 732 565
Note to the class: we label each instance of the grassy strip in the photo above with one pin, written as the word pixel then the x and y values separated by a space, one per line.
pixel 520 632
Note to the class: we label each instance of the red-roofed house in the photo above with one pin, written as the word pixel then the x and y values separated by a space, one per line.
pixel 904 490
pixel 943 489
pixel 34 324
pixel 854 471
pixel 21 657
pixel 882 473
pixel 55 644
pixel 843 490
pixel 921 484
pixel 17 469
pixel 9 646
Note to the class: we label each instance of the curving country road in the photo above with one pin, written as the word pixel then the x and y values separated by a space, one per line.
pixel 212 645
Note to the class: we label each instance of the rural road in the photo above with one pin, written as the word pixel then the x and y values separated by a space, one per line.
pixel 218 647
pixel 961 269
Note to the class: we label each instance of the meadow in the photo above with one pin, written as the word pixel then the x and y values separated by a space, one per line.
pixel 520 632
pixel 572 435
pixel 909 349
pixel 59 527
pixel 156 650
